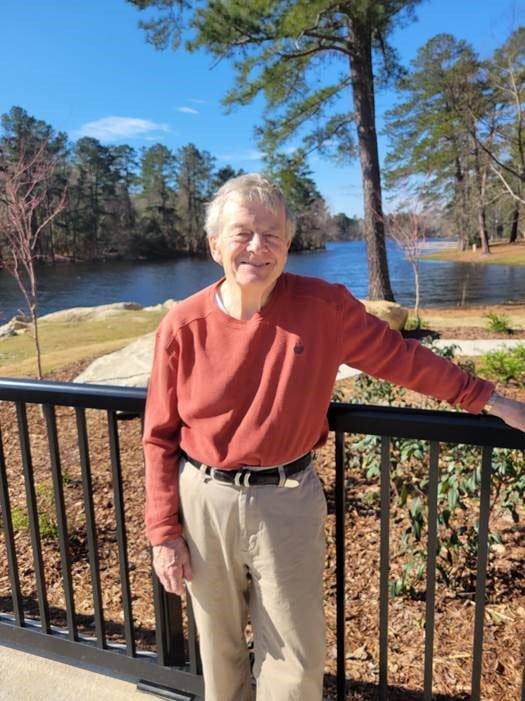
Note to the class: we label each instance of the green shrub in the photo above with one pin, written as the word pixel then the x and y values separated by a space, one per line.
pixel 414 323
pixel 498 323
pixel 19 519
pixel 458 493
pixel 505 365
pixel 46 513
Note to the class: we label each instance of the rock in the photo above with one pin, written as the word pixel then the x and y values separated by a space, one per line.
pixel 83 313
pixel 18 324
pixel 7 330
pixel 164 306
pixel 393 313
pixel 127 367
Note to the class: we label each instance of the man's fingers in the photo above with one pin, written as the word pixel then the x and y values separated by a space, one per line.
pixel 188 574
pixel 172 564
pixel 186 564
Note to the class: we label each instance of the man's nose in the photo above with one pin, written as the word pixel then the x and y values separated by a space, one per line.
pixel 257 242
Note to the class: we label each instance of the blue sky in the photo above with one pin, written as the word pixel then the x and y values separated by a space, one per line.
pixel 84 67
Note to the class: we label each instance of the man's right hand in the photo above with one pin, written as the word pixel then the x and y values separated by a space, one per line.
pixel 172 564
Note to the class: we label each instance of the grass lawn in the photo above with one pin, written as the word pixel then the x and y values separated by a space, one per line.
pixel 64 343
pixel 501 254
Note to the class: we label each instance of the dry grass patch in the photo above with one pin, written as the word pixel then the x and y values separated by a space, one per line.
pixel 501 254
pixel 64 343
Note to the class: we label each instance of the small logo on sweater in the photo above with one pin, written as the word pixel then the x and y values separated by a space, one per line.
pixel 298 348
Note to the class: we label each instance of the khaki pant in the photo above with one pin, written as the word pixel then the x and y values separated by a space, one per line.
pixel 257 552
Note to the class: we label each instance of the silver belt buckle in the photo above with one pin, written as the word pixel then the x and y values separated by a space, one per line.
pixel 285 481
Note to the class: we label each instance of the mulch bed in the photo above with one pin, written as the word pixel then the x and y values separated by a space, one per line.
pixel 464 333
pixel 505 620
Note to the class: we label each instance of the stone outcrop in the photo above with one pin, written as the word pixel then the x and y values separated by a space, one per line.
pixel 18 324
pixel 128 367
pixel 391 312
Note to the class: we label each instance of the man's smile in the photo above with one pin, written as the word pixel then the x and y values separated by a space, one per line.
pixel 254 265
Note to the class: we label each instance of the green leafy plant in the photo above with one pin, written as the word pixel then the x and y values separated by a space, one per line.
pixel 46 522
pixel 458 494
pixel 46 510
pixel 505 365
pixel 46 513
pixel 19 519
pixel 415 322
pixel 499 323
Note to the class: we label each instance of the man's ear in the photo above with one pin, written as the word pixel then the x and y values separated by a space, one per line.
pixel 214 249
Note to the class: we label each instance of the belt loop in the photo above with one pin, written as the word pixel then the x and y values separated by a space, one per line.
pixel 202 470
pixel 237 478
pixel 282 476
pixel 246 479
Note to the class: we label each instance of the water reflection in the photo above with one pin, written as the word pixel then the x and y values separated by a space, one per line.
pixel 442 283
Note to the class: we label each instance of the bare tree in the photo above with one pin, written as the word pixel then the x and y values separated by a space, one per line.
pixel 27 206
pixel 408 231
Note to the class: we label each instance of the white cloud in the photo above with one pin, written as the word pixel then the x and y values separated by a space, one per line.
pixel 245 155
pixel 196 101
pixel 115 128
pixel 187 110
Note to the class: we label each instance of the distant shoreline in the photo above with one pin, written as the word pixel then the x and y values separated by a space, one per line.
pixel 501 254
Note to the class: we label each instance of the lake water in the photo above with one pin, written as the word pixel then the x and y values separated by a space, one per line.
pixel 90 284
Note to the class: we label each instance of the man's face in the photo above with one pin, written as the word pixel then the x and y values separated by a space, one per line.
pixel 251 245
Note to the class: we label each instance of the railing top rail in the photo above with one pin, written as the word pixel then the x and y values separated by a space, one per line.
pixel 444 426
pixel 425 424
pixel 73 394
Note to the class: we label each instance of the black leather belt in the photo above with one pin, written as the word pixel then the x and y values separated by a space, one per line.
pixel 246 477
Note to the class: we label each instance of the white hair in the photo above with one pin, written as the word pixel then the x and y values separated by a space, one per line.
pixel 252 187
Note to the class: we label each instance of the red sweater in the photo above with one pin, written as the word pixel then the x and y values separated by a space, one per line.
pixel 231 392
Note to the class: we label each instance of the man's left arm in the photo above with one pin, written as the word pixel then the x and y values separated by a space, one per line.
pixel 368 344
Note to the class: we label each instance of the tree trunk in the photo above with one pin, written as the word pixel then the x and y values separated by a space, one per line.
pixel 460 211
pixel 483 233
pixel 515 220
pixel 417 289
pixel 36 339
pixel 363 97
pixel 482 217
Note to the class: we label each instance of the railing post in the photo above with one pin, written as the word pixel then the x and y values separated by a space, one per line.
pixel 481 573
pixel 384 567
pixel 340 510
pixel 169 632
pixel 430 597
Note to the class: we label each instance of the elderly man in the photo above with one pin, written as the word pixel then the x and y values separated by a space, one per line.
pixel 242 377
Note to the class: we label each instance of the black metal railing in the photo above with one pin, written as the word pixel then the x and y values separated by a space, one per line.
pixel 436 427
pixel 176 665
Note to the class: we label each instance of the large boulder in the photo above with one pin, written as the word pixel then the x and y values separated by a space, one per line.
pixel 128 367
pixel 18 324
pixel 391 312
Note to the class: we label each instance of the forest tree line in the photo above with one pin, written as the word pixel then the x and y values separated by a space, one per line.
pixel 144 204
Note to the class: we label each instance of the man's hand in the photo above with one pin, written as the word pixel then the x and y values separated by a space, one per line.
pixel 511 411
pixel 171 562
